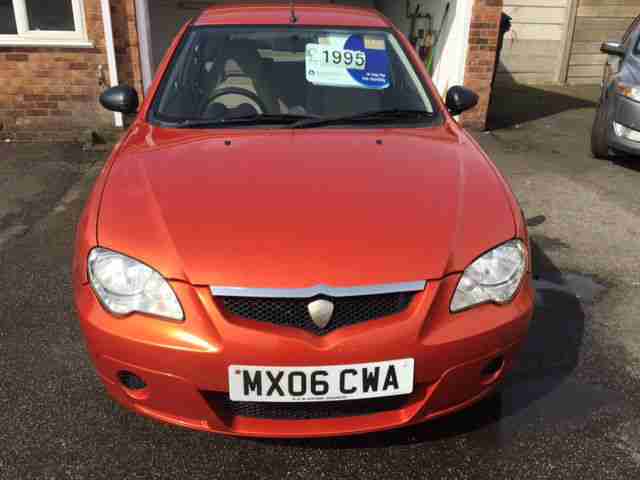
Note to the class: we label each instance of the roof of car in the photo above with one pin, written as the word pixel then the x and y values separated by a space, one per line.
pixel 280 14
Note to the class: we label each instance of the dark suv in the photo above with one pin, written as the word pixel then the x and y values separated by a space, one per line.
pixel 617 124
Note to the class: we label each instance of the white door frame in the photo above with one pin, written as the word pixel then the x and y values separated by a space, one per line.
pixel 143 21
pixel 450 73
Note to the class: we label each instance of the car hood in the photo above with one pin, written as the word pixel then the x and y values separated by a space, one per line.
pixel 283 209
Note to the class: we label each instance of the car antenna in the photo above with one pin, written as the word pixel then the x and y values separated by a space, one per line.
pixel 294 18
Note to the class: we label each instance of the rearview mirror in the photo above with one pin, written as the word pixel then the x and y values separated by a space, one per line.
pixel 613 48
pixel 122 98
pixel 461 99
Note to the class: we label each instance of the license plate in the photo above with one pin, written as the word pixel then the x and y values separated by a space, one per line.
pixel 321 384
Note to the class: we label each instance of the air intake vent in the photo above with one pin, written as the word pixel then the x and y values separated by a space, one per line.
pixel 294 312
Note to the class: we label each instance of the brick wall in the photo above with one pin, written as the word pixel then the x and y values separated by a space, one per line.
pixel 52 93
pixel 481 57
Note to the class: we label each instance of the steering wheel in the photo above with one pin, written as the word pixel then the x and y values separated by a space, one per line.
pixel 238 91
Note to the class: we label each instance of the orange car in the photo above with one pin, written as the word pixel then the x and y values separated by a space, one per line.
pixel 295 238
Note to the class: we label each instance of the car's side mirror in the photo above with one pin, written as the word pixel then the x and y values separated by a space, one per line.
pixel 613 48
pixel 122 98
pixel 461 99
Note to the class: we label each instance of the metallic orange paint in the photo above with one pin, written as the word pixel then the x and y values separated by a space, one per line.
pixel 289 209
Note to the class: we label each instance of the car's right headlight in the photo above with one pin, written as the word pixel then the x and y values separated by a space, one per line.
pixel 125 285
pixel 493 278
pixel 630 91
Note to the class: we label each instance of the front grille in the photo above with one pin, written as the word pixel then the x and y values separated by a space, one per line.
pixel 304 411
pixel 293 312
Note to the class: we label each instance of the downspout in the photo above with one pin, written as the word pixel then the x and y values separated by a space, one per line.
pixel 143 22
pixel 111 53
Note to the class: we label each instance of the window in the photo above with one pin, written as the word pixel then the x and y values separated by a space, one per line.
pixel 227 73
pixel 43 22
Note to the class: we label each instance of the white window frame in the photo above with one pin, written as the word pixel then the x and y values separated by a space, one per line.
pixel 48 38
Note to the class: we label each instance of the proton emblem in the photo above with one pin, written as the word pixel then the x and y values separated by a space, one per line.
pixel 321 312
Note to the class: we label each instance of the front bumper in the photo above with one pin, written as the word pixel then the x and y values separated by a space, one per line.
pixel 183 363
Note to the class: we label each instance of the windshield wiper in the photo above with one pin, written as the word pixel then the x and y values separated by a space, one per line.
pixel 257 119
pixel 378 116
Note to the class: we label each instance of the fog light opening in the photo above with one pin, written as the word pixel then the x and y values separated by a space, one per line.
pixel 131 381
pixel 493 367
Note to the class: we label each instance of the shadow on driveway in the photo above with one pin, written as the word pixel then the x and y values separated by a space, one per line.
pixel 516 104
pixel 627 161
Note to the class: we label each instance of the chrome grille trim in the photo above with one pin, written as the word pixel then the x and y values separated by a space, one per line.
pixel 336 292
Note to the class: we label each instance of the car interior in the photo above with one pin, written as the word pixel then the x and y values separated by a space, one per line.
pixel 238 77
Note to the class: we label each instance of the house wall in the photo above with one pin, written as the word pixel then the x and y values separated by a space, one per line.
pixel 52 93
pixel 597 21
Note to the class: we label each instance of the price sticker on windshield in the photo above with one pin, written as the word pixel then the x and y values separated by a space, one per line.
pixel 336 57
pixel 342 60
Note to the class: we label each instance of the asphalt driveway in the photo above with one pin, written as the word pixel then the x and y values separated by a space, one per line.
pixel 570 410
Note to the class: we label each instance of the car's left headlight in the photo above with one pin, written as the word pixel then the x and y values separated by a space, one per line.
pixel 125 285
pixel 630 91
pixel 493 278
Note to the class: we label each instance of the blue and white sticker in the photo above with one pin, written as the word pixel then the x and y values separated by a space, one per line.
pixel 355 61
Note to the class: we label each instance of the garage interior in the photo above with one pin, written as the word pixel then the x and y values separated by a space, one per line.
pixel 440 29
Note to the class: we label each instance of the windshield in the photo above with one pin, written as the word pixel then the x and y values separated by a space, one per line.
pixel 282 73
